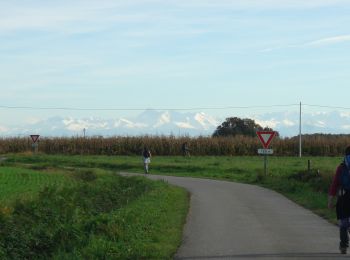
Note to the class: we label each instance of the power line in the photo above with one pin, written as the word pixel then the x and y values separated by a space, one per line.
pixel 142 109
pixel 167 109
pixel 324 106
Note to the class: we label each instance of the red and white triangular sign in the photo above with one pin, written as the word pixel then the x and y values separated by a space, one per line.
pixel 266 137
pixel 34 138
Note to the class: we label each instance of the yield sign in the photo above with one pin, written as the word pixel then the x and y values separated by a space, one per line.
pixel 34 138
pixel 266 137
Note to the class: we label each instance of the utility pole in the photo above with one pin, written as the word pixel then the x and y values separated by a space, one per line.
pixel 300 131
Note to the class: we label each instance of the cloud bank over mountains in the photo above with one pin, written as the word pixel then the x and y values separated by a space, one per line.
pixel 152 122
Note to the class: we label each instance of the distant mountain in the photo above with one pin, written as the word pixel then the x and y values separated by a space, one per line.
pixel 287 123
pixel 152 122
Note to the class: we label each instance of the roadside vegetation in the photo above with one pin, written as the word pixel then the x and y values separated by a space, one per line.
pixel 51 208
pixel 287 175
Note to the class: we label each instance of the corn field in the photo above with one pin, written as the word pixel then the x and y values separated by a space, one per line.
pixel 313 145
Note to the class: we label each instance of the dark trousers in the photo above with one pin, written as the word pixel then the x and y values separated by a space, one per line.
pixel 343 215
pixel 344 225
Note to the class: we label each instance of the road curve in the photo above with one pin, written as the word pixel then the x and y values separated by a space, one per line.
pixel 230 220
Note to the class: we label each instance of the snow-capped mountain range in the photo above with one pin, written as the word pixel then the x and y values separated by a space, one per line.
pixel 152 122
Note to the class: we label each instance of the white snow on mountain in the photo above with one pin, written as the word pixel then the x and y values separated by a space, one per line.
pixel 152 122
pixel 186 125
pixel 125 123
pixel 164 118
pixel 345 114
pixel 206 121
pixel 272 123
pixel 3 129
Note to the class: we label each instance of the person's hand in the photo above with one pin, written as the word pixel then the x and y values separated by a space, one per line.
pixel 330 205
pixel 330 202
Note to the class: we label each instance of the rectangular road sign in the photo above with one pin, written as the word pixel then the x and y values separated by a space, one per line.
pixel 265 151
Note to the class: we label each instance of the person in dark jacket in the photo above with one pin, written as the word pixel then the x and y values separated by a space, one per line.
pixel 340 189
pixel 185 149
pixel 146 154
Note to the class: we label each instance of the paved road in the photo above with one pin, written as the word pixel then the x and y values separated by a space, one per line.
pixel 239 221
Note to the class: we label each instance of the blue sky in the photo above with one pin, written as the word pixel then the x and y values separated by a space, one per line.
pixel 171 54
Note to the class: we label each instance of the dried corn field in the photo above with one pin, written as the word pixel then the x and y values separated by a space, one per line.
pixel 313 145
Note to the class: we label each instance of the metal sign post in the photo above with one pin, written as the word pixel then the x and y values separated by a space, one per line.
pixel 265 137
pixel 265 152
pixel 265 165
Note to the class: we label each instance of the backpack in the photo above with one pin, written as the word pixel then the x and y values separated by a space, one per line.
pixel 146 154
pixel 345 178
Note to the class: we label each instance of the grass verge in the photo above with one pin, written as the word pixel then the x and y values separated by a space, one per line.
pixel 99 216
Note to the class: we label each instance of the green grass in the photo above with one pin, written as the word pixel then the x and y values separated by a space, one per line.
pixel 175 165
pixel 287 175
pixel 149 228
pixel 61 208
pixel 22 183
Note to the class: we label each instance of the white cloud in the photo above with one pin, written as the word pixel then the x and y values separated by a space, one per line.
pixel 262 4
pixel 316 43
pixel 272 123
pixel 71 17
pixel 287 122
pixel 95 15
pixel 329 40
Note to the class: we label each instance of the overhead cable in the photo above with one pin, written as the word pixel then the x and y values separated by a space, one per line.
pixel 142 109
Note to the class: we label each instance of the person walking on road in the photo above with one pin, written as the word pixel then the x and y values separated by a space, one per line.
pixel 146 154
pixel 185 149
pixel 340 188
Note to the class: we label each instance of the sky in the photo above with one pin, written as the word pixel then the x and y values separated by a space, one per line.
pixel 141 54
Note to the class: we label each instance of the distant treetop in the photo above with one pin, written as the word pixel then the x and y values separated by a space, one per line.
pixel 236 126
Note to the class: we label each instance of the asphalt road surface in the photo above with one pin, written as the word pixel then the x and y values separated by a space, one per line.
pixel 238 221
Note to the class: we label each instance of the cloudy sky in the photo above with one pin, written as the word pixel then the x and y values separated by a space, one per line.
pixel 139 54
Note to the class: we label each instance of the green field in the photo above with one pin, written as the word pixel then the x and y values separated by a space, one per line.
pixel 23 176
pixel 53 209
pixel 22 183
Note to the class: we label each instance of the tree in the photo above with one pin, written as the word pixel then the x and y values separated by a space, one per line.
pixel 236 126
